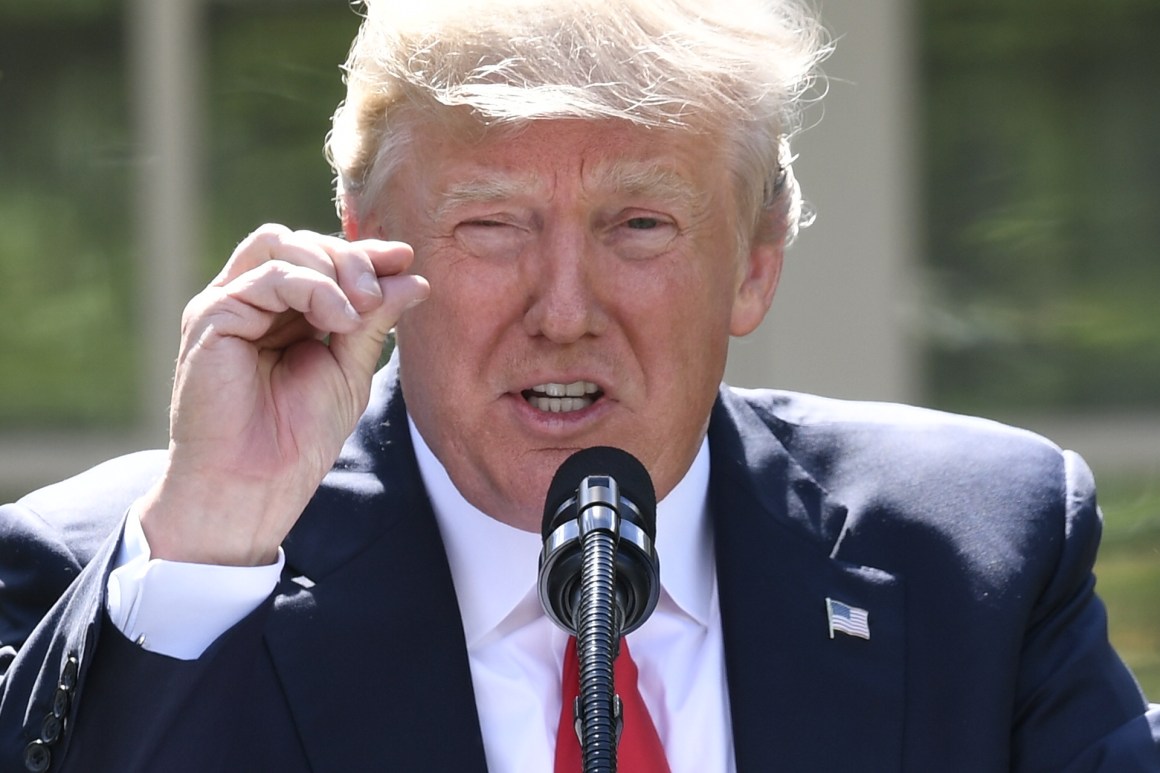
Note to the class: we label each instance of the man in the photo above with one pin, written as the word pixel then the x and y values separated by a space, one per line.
pixel 564 210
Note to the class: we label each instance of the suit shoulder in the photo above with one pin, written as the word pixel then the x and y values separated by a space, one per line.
pixel 84 509
pixel 121 479
pixel 799 417
pixel 998 500
pixel 908 458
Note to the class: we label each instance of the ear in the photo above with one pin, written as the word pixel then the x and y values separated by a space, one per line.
pixel 757 280
pixel 348 209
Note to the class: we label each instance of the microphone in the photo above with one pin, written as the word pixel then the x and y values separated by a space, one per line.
pixel 599 579
pixel 607 489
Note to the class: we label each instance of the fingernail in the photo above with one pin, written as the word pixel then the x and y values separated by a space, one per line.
pixel 369 284
pixel 351 312
pixel 423 288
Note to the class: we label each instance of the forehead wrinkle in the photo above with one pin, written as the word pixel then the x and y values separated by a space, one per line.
pixel 651 179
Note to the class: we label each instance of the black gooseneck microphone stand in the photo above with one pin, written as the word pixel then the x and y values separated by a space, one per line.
pixel 599 579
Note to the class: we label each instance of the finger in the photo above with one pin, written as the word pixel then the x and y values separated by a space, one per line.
pixel 387 258
pixel 360 264
pixel 401 292
pixel 251 304
pixel 259 247
pixel 353 270
pixel 356 266
pixel 359 352
pixel 324 254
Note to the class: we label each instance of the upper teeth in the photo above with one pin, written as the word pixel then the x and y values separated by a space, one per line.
pixel 559 398
pixel 575 389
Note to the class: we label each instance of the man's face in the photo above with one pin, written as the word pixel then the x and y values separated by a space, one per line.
pixel 585 278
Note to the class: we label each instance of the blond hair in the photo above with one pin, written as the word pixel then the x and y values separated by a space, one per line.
pixel 735 69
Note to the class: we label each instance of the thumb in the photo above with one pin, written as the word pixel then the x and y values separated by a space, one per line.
pixel 357 353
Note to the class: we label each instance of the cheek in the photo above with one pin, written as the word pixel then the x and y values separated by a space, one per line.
pixel 462 279
pixel 696 304
pixel 699 326
pixel 679 332
pixel 458 325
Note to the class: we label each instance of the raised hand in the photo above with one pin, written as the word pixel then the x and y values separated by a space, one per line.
pixel 276 359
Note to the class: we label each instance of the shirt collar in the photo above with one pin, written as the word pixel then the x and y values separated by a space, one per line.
pixel 495 566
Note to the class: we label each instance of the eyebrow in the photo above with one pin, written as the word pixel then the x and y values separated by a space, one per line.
pixel 481 190
pixel 648 179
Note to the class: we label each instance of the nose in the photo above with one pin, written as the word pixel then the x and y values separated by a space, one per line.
pixel 562 300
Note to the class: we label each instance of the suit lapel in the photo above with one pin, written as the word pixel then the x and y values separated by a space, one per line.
pixel 801 700
pixel 366 639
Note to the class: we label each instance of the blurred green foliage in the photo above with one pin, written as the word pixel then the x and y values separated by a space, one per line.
pixel 1128 573
pixel 1042 175
pixel 274 82
pixel 68 342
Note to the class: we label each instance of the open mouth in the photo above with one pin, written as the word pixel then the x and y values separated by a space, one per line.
pixel 562 398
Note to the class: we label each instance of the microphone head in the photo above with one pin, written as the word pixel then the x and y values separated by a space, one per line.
pixel 630 475
pixel 567 544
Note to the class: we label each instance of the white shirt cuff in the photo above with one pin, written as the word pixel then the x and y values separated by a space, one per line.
pixel 179 609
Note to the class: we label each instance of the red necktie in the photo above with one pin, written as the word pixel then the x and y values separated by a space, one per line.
pixel 640 749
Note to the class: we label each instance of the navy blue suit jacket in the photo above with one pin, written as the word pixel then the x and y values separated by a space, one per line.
pixel 969 544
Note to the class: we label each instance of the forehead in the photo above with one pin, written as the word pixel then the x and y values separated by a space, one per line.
pixel 596 156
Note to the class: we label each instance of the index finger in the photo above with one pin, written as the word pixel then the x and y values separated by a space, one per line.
pixel 354 266
pixel 387 258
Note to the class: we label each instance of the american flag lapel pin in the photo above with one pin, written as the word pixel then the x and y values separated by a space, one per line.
pixel 846 619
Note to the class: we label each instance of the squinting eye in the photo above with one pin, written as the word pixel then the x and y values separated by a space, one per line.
pixel 642 223
pixel 490 239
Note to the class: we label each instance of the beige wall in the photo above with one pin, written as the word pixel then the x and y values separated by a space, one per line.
pixel 838 323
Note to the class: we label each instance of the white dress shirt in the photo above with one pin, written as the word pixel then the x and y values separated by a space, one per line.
pixel 515 652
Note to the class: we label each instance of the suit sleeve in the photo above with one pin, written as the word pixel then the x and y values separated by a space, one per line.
pixel 76 695
pixel 1080 710
pixel 51 604
pixel 68 693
